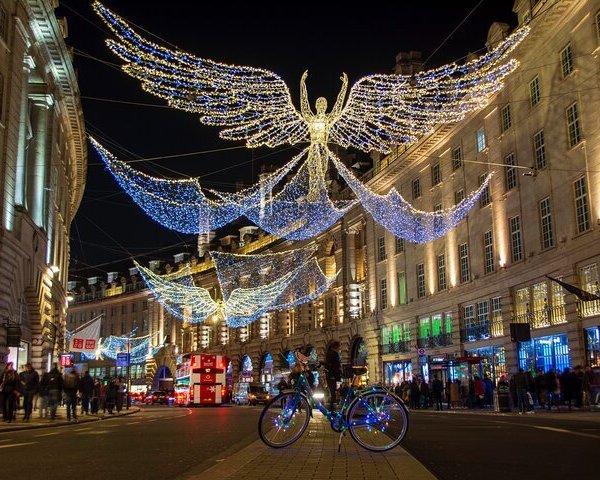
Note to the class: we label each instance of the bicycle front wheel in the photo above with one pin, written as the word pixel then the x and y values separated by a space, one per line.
pixel 284 420
pixel 377 421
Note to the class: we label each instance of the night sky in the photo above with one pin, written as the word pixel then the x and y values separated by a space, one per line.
pixel 285 37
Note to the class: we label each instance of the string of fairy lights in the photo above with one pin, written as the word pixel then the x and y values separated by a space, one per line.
pixel 252 286
pixel 254 105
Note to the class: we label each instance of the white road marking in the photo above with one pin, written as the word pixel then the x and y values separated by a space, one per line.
pixel 82 429
pixel 6 440
pixel 131 423
pixel 562 430
pixel 17 444
pixel 47 434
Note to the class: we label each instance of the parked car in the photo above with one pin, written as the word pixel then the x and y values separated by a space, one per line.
pixel 245 393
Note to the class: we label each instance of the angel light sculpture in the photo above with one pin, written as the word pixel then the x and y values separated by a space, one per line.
pixel 381 111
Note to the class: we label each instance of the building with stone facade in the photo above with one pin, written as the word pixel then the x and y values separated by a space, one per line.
pixel 447 306
pixel 42 178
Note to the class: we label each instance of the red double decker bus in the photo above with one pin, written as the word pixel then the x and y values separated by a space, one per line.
pixel 203 379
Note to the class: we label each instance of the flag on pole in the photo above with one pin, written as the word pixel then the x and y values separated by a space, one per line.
pixel 86 339
pixel 581 294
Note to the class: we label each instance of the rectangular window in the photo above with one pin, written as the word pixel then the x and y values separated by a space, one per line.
pixel 383 293
pixel 381 255
pixel 386 335
pixel 480 143
pixel 463 256
pixel 589 277
pixel 505 118
pixel 396 333
pixel 497 327
pixel 582 206
pixel 424 327
pixel 421 280
pixel 573 125
pixel 566 60
pixel 436 324
pixel 510 173
pixel 468 316
pixel 534 92
pixel 459 196
pixel 457 158
pixel 483 312
pixel 488 252
pixel 399 245
pixel 436 174
pixel 441 270
pixel 402 296
pixel 416 188
pixel 516 246
pixel 484 198
pixel 546 223
pixel 539 150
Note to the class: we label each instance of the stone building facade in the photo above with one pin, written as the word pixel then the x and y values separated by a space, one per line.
pixel 42 178
pixel 447 306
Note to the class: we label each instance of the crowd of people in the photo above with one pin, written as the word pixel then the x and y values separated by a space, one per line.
pixel 570 388
pixel 46 392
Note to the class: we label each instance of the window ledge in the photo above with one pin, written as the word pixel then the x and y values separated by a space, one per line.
pixel 579 145
pixel 581 234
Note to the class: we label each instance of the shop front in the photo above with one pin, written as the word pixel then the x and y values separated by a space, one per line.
pixel 545 353
pixel 246 369
pixel 266 370
pixel 397 371
pixel 492 361
pixel 592 346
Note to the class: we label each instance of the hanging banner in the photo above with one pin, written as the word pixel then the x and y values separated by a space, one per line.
pixel 86 339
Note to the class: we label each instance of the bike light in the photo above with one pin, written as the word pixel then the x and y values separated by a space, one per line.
pixel 318 395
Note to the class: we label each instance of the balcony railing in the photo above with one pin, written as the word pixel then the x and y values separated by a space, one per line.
pixel 544 317
pixel 483 331
pixel 403 346
pixel 434 341
pixel 588 308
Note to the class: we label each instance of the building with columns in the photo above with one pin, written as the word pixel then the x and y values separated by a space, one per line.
pixel 42 178
pixel 446 306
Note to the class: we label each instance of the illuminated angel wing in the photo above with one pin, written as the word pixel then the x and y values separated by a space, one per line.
pixel 387 110
pixel 252 104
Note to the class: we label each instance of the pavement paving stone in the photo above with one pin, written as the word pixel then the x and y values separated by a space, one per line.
pixel 315 457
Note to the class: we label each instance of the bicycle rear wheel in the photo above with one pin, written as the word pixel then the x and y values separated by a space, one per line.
pixel 377 421
pixel 284 420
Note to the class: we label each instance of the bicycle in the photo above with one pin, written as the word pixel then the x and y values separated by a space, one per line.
pixel 375 417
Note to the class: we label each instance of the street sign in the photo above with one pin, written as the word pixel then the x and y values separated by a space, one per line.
pixel 65 360
pixel 421 351
pixel 122 359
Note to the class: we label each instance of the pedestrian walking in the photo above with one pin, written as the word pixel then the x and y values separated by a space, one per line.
pixel 31 382
pixel 437 387
pixel 552 389
pixel 424 398
pixel 111 395
pixel 586 387
pixel 86 388
pixel 488 391
pixel 522 389
pixel 415 392
pixel 95 398
pixel 120 393
pixel 71 384
pixel 479 389
pixel 9 385
pixel 333 364
pixel 43 395
pixel 567 382
pixel 55 387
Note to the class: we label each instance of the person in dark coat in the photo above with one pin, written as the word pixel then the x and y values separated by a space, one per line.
pixel 31 382
pixel 415 392
pixel 522 387
pixel 479 388
pixel 333 364
pixel 488 390
pixel 111 395
pixel 71 385
pixel 551 389
pixel 55 386
pixel 567 386
pixel 9 384
pixel 87 389
pixel 437 387
pixel 424 399
pixel 43 395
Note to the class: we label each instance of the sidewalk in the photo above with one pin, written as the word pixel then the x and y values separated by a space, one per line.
pixel 315 457
pixel 60 420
